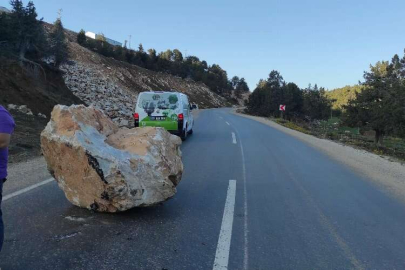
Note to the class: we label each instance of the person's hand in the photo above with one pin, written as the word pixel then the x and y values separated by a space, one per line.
pixel 4 180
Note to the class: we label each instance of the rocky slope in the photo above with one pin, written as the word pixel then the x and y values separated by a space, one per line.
pixel 113 86
pixel 89 78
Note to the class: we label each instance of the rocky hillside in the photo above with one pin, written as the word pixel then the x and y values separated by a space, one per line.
pixel 110 85
pixel 113 86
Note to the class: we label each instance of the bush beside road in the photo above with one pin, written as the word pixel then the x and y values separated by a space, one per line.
pixel 333 130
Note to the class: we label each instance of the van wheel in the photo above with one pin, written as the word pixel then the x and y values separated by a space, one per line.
pixel 190 131
pixel 183 135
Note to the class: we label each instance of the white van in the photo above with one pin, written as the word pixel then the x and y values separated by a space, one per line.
pixel 170 110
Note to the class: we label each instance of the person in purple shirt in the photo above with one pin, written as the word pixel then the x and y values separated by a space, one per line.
pixel 6 129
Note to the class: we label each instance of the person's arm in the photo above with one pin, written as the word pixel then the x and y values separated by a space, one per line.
pixel 6 128
pixel 4 140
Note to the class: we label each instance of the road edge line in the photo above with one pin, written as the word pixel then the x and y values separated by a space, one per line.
pixel 245 221
pixel 24 190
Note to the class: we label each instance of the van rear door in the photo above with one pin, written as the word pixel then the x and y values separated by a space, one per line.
pixel 158 110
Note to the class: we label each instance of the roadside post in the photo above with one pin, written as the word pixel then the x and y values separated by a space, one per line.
pixel 282 110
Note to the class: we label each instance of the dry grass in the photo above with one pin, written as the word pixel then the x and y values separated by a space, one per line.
pixel 332 130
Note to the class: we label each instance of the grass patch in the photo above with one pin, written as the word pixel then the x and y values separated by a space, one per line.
pixel 291 125
pixel 333 130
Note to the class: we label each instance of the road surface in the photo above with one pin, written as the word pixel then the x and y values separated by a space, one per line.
pixel 251 197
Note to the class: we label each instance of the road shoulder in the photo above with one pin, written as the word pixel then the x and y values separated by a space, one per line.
pixel 24 174
pixel 389 175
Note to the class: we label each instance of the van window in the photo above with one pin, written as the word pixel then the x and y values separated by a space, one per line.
pixel 185 103
pixel 150 102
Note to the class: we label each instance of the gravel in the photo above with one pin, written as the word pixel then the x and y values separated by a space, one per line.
pixel 380 170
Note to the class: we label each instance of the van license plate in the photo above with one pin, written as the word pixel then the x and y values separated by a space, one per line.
pixel 158 118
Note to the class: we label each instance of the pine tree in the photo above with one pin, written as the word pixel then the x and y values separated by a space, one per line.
pixel 5 33
pixel 59 48
pixel 81 37
pixel 234 81
pixel 241 85
pixel 380 106
pixel 177 56
pixel 152 53
pixel 140 48
pixel 101 37
pixel 167 55
pixel 28 34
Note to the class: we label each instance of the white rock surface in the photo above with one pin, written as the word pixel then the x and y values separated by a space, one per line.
pixel 42 115
pixel 107 169
pixel 20 108
pixel 99 90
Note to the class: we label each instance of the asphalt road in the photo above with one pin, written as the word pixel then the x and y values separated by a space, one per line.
pixel 293 207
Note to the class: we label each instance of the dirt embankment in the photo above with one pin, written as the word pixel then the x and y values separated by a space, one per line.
pixel 39 91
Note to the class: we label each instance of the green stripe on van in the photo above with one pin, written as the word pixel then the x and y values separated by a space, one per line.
pixel 168 124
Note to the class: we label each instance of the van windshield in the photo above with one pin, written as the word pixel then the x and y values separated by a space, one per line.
pixel 158 101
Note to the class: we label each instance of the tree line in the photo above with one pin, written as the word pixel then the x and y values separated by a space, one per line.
pixel 22 36
pixel 380 106
pixel 301 104
pixel 169 61
pixel 376 104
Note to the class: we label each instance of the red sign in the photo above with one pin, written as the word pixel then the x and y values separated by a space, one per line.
pixel 282 108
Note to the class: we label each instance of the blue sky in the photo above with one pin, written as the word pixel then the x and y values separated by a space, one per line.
pixel 326 42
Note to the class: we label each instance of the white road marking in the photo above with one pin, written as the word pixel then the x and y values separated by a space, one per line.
pixel 224 241
pixel 233 138
pixel 9 196
pixel 245 207
pixel 227 123
pixel 221 117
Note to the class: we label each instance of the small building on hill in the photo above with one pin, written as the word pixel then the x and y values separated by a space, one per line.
pixel 108 40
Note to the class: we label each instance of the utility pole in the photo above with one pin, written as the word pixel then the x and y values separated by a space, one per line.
pixel 129 45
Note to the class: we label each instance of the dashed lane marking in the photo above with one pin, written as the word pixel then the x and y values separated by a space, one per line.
pixel 234 138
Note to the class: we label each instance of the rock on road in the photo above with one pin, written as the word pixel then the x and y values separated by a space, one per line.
pixel 287 205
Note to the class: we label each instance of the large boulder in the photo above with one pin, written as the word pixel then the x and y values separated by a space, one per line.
pixel 104 168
